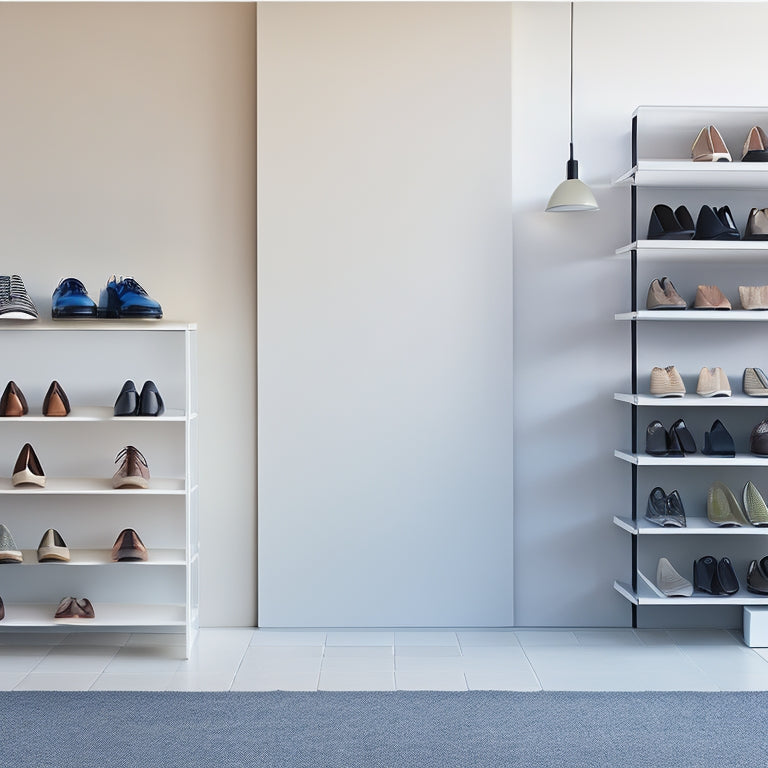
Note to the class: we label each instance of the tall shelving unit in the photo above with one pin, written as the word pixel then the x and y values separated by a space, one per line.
pixel 91 359
pixel 661 137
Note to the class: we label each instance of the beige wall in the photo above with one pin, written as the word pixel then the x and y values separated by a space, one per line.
pixel 127 146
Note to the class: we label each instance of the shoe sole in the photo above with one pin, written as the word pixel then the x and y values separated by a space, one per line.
pixel 130 482
pixel 84 312
pixel 117 314
pixel 52 557
pixel 17 316
pixel 25 477
pixel 11 556
pixel 716 393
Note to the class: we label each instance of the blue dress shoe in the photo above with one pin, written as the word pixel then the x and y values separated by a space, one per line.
pixel 70 299
pixel 126 298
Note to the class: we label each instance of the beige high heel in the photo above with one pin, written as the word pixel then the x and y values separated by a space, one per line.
pixel 710 147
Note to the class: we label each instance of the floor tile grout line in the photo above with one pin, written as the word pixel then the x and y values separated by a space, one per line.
pixel 530 664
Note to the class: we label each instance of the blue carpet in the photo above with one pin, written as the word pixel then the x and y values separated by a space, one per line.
pixel 383 730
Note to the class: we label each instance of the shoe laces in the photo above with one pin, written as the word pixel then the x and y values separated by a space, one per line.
pixel 132 285
pixel 123 454
pixel 72 284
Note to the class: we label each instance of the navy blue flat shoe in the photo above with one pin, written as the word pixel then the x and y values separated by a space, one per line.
pixel 70 299
pixel 126 298
pixel 150 401
pixel 127 403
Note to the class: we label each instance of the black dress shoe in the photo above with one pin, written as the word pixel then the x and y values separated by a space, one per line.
pixel 675 511
pixel 726 576
pixel 665 224
pixel 705 575
pixel 715 224
pixel 656 439
pixel 683 435
pixel 757 579
pixel 718 441
pixel 127 403
pixel 656 509
pixel 150 402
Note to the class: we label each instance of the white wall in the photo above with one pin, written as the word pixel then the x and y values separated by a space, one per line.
pixel 570 355
pixel 385 494
pixel 127 143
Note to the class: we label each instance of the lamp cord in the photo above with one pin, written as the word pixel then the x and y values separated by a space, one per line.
pixel 571 80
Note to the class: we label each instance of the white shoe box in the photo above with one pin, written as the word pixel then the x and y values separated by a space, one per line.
pixel 756 626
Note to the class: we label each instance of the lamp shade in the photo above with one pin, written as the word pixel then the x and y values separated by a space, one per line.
pixel 572 195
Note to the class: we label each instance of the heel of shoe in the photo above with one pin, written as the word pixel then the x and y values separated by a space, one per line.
pixel 27 477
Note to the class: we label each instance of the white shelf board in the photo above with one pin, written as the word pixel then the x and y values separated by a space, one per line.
pixel 98 413
pixel 136 616
pixel 91 324
pixel 93 485
pixel 714 249
pixel 694 526
pixel 101 557
pixel 696 315
pixel 646 596
pixel 694 460
pixel 687 174
pixel 692 400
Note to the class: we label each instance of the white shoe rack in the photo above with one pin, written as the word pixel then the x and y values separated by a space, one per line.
pixel 91 359
pixel 661 139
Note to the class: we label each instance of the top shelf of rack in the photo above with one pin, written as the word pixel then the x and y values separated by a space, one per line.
pixel 687 174
pixel 47 324
pixel 699 248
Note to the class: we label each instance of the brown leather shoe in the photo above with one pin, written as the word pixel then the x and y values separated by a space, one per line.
pixel 710 297
pixel 75 608
pixel 128 547
pixel 709 146
pixel 133 472
pixel 13 402
pixel 56 402
pixel 662 295
pixel 27 469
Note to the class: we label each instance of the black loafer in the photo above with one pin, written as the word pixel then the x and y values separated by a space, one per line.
pixel 757 580
pixel 705 575
pixel 127 403
pixel 656 509
pixel 684 437
pixel 656 439
pixel 675 511
pixel 726 576
pixel 718 441
pixel 150 402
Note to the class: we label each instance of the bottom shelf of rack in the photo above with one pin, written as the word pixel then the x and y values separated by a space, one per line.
pixel 113 615
pixel 647 595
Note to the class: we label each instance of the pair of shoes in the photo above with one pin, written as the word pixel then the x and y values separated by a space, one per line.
pixel 13 402
pixel 710 147
pixel 677 442
pixel 712 223
pixel 757 576
pixel 120 298
pixel 718 441
pixel 130 403
pixel 75 608
pixel 716 577
pixel 665 509
pixel 9 552
pixel 128 547
pixel 754 382
pixel 15 303
pixel 52 548
pixel 713 383
pixel 133 472
pixel 666 382
pixel 724 510
pixel 662 295
pixel 670 582
pixel 126 298
pixel 27 470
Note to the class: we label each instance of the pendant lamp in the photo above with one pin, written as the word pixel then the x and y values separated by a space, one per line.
pixel 573 194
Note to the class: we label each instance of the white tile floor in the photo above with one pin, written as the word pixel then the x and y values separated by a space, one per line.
pixel 386 660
